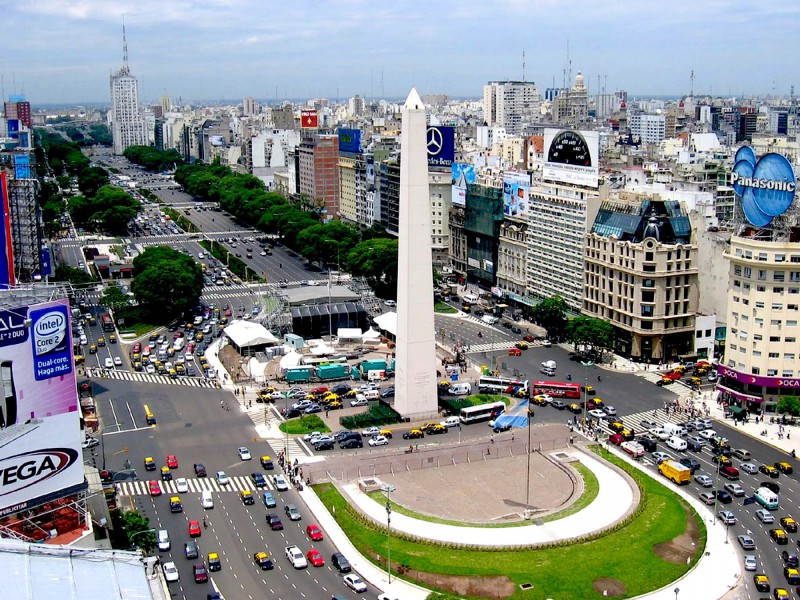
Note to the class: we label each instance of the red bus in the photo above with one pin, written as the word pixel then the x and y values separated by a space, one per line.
pixel 557 389
pixel 108 324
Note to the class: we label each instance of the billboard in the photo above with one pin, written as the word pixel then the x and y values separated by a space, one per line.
pixel 309 119
pixel 463 174
pixel 40 448
pixel 441 144
pixel 571 156
pixel 22 166
pixel 350 140
pixel 13 128
pixel 766 186
pixel 7 277
pixel 516 194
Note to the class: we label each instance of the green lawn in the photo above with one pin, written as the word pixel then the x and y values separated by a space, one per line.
pixel 558 572
pixel 442 307
pixel 304 424
pixel 590 484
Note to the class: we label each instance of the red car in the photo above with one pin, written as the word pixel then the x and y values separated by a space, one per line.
pixel 200 573
pixel 319 390
pixel 616 439
pixel 155 488
pixel 194 529
pixel 137 348
pixel 529 338
pixel 729 473
pixel 177 334
pixel 172 461
pixel 514 352
pixel 315 558
pixel 314 532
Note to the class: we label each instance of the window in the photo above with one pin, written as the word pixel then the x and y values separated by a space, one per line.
pixel 795 258
pixel 776 322
pixel 708 333
pixel 758 337
pixel 774 338
pixel 779 276
pixel 788 356
pixel 791 323
pixel 790 340
pixel 737 270
pixel 762 275
pixel 757 353
pixel 778 290
pixel 787 373
pixel 773 355
pixel 762 256
pixel 648 283
pixel 698 334
pixel 748 272
pixel 777 306
pixel 647 311
pixel 733 346
pixel 780 258
pixel 772 372
pixel 759 305
pixel 761 288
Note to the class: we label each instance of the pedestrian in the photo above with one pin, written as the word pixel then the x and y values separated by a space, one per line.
pixel 492 440
pixel 326 413
pixel 222 404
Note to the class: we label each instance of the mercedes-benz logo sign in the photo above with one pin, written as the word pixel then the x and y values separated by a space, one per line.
pixel 435 141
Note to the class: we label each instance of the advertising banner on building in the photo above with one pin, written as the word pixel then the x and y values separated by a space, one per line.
pixel 516 194
pixel 22 166
pixel 441 146
pixel 766 186
pixel 463 174
pixel 40 449
pixel 350 140
pixel 309 119
pixel 571 156
pixel 7 277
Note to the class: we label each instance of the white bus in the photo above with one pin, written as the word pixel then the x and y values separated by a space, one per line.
pixel 501 385
pixel 481 412
pixel 470 298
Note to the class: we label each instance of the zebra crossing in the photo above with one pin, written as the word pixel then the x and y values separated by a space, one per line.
pixel 678 387
pixel 101 373
pixel 196 486
pixel 489 347
pixel 224 296
pixel 633 422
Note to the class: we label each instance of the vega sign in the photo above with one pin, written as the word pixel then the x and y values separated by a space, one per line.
pixel 766 186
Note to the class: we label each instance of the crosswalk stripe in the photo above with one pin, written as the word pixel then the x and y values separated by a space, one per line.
pixel 497 346
pixel 148 378
pixel 238 483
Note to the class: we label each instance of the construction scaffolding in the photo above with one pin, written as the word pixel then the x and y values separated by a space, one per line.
pixel 26 230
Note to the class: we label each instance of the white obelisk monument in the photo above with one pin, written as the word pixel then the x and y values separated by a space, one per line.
pixel 415 378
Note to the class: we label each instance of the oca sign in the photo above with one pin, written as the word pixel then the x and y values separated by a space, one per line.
pixel 767 187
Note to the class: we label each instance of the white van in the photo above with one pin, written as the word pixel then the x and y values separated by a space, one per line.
pixel 548 367
pixel 372 394
pixel 470 298
pixel 206 499
pixel 676 443
pixel 673 429
pixel 451 422
pixel 767 498
pixel 178 344
pixel 460 389
pixel 163 540
pixel 490 319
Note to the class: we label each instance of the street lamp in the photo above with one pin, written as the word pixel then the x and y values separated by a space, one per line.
pixel 130 538
pixel 528 480
pixel 388 489
pixel 118 473
pixel 676 593
pixel 586 366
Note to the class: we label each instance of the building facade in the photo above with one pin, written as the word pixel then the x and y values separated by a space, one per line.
pixel 128 126
pixel 510 104
pixel 319 173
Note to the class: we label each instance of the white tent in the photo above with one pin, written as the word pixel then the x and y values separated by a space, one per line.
pixel 244 334
pixel 371 334
pixel 322 350
pixel 349 333
pixel 387 322
pixel 292 359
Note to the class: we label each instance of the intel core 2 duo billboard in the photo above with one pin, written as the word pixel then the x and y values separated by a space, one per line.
pixel 40 451
pixel 766 186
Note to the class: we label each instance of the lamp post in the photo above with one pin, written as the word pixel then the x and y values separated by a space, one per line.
pixel 528 474
pixel 676 593
pixel 130 538
pixel 388 489
pixel 586 366
pixel 118 473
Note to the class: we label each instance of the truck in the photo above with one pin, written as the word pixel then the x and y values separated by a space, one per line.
pixel 331 372
pixel 375 365
pixel 675 472
pixel 299 374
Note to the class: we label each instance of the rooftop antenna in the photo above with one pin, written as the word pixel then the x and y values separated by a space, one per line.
pixel 124 49
pixel 523 64
pixel 691 79
pixel 383 94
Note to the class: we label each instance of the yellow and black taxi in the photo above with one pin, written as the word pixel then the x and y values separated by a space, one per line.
pixel 387 433
pixel 784 467
pixel 266 463
pixel 262 560
pixel 112 339
pixel 435 429
pixel 539 400
pixel 137 365
pixel 334 405
pixel 175 504
pixel 628 434
pixel 93 349
pixel 789 524
pixel 522 345
pixel 779 536
pixel 247 497
pixel 330 397
pixel 166 474
pixel 762 582
pixel 769 470
pixel 354 392
pixel 792 575
pixel 575 408
pixel 101 341
pixel 520 392
pixel 214 563
pixel 780 594
pixel 616 426
pixel 723 460
pixel 413 434
pixel 149 464
pixel 79 359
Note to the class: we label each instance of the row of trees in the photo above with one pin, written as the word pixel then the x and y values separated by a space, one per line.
pixel 109 210
pixel 153 159
pixel 369 253
pixel 580 331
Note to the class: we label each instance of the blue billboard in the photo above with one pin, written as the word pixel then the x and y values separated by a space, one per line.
pixel 350 140
pixel 22 166
pixel 766 186
pixel 441 144
pixel 47 263
pixel 13 128
pixel 52 342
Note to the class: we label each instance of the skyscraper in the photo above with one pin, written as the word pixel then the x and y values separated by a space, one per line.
pixel 127 121
pixel 510 104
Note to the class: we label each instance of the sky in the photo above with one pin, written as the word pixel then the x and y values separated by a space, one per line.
pixel 63 51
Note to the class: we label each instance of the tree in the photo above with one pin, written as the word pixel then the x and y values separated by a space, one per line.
pixel 376 260
pixel 138 531
pixel 789 405
pixel 551 314
pixel 589 331
pixel 166 282
pixel 115 299
pixel 74 276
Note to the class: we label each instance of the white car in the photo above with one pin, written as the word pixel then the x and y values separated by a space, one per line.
pixel 151 369
pixel 355 583
pixel 182 485
pixel 310 437
pixel 117 361
pixel 749 467
pixel 708 434
pixel 90 442
pixel 369 386
pixel 295 556
pixel 280 483
pixel 108 363
pixel 222 478
pixel 390 303
pixel 263 253
pixel 597 413
pixel 360 400
pixel 610 410
pixel 750 562
pixel 370 431
pixel 378 440
pixel 546 398
pixel 765 516
pixel 171 572
pixel 660 433
pixel 244 454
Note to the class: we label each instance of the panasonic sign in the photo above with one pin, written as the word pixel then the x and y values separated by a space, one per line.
pixel 766 186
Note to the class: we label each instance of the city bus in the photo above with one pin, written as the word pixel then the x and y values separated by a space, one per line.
pixel 501 385
pixel 557 389
pixel 321 361
pixel 108 324
pixel 481 412
pixel 149 416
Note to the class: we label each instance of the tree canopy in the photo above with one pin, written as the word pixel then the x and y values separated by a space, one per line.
pixel 110 209
pixel 115 299
pixel 376 261
pixel 789 405
pixel 551 314
pixel 589 331
pixel 166 283
pixel 153 159
pixel 72 275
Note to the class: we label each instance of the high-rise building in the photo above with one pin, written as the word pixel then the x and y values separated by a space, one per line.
pixel 510 104
pixel 18 108
pixel 650 129
pixel 319 173
pixel 250 107
pixel 128 126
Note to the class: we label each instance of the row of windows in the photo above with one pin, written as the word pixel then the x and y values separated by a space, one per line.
pixel 764 256
pixel 763 274
pixel 757 370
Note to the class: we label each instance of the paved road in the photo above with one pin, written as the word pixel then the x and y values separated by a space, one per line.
pixel 187 420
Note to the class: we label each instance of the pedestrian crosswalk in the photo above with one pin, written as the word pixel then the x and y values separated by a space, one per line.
pixel 195 485
pixel 208 296
pixel 491 347
pixel 678 387
pixel 642 421
pixel 101 373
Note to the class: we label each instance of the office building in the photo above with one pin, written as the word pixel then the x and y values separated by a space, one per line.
pixel 510 104
pixel 650 129
pixel 18 108
pixel 128 126
pixel 319 173
pixel 250 107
